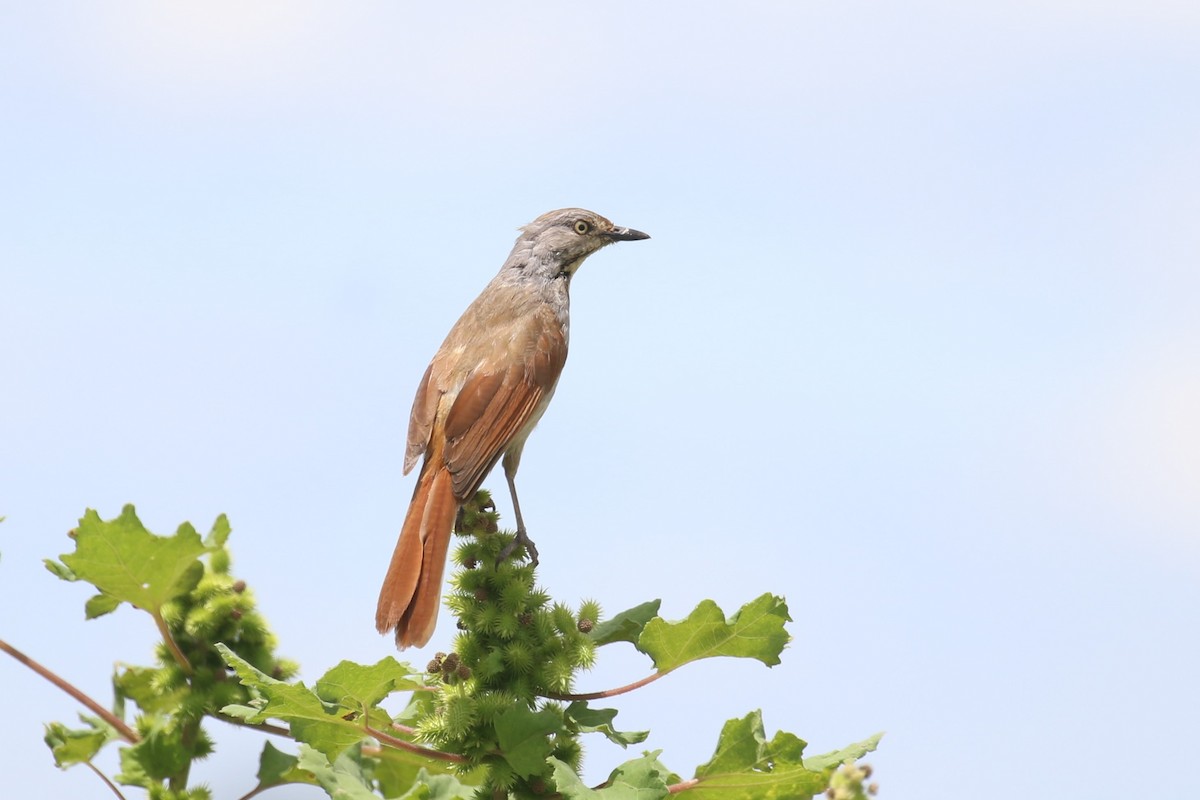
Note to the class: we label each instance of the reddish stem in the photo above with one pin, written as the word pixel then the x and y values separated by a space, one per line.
pixel 127 733
pixel 607 692
pixel 180 658
pixel 104 778
pixel 265 727
pixel 415 748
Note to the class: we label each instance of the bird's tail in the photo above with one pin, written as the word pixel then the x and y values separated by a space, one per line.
pixel 411 593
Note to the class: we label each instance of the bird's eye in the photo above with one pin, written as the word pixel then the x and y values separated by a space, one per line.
pixel 581 227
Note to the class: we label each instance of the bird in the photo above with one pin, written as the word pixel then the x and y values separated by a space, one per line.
pixel 484 391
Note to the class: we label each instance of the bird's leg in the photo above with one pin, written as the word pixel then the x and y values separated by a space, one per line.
pixel 510 473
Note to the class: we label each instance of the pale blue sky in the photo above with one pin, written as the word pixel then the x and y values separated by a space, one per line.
pixel 916 344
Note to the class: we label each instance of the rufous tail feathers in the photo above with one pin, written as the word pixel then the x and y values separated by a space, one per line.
pixel 412 589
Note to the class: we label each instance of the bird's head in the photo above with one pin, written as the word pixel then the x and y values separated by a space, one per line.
pixel 558 241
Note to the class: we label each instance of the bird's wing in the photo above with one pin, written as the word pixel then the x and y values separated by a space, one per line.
pixel 493 407
pixel 420 422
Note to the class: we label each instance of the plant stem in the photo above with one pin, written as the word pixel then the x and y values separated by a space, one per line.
pixel 127 733
pixel 415 748
pixel 675 788
pixel 187 740
pixel 104 778
pixel 607 692
pixel 265 727
pixel 180 658
pixel 257 790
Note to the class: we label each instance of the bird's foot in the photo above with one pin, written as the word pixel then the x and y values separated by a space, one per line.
pixel 520 540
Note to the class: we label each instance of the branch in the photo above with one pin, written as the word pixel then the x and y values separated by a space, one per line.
pixel 172 646
pixel 265 727
pixel 258 790
pixel 104 778
pixel 675 788
pixel 607 692
pixel 454 758
pixel 127 733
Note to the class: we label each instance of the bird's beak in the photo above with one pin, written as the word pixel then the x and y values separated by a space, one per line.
pixel 625 235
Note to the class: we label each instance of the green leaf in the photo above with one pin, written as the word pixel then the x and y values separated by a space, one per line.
pixel 599 720
pixel 309 719
pixel 626 626
pixel 99 605
pixel 161 754
pixel 746 766
pixel 247 714
pixel 398 771
pixel 642 778
pixel 140 684
pixel 437 787
pixel 524 738
pixel 743 745
pixel 356 686
pixel 784 783
pixel 276 767
pixel 831 761
pixel 131 773
pixel 755 631
pixel 129 564
pixel 62 571
pixel 219 534
pixel 343 778
pixel 78 745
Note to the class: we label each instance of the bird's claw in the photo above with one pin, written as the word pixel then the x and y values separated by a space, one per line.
pixel 520 540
